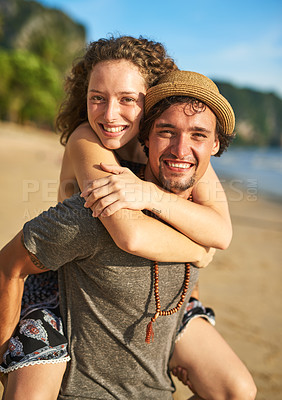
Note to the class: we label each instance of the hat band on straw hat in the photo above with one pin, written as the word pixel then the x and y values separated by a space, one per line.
pixel 192 84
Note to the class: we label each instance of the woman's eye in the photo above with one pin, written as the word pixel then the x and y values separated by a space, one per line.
pixel 97 99
pixel 128 100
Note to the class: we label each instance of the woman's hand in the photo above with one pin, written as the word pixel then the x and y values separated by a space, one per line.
pixel 206 259
pixel 122 189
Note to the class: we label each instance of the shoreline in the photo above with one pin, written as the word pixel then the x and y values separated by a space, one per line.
pixel 258 168
pixel 243 283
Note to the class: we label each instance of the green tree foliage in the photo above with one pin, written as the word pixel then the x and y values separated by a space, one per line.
pixel 31 88
pixel 37 46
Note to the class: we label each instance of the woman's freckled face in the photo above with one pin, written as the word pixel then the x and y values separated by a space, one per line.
pixel 115 102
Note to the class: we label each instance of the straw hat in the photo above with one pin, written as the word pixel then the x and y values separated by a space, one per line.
pixel 187 83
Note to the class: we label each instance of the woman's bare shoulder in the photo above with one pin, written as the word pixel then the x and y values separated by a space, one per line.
pixel 83 131
pixel 84 146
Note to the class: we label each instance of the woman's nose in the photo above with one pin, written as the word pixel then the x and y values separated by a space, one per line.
pixel 111 110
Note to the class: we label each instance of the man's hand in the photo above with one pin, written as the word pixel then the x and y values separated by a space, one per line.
pixel 182 375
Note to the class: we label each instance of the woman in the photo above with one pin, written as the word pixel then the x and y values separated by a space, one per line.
pixel 114 76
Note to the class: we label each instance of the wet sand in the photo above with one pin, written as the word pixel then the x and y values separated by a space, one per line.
pixel 243 284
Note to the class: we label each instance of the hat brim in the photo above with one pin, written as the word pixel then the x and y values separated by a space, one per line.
pixel 215 101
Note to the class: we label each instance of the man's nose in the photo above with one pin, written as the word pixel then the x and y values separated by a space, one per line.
pixel 111 110
pixel 181 146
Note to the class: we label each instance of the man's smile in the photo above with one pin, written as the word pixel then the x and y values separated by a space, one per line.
pixel 178 165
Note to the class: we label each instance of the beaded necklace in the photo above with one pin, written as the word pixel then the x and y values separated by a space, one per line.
pixel 159 312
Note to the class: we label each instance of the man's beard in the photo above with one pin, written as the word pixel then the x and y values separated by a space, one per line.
pixel 176 185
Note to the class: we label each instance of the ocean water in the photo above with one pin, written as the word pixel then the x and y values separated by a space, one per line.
pixel 256 169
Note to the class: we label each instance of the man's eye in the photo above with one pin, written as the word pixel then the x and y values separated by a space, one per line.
pixel 165 133
pixel 199 135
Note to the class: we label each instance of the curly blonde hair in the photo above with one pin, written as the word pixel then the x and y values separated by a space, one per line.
pixel 149 56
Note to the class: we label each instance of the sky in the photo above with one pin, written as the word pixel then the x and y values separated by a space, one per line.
pixel 235 41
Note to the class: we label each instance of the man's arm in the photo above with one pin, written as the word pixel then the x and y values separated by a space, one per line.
pixel 16 263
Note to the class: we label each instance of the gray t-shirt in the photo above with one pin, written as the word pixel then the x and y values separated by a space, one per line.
pixel 107 300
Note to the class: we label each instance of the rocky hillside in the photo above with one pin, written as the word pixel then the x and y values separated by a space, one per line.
pixel 258 116
pixel 46 32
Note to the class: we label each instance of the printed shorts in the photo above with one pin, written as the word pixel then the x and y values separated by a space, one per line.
pixel 39 336
pixel 195 309
pixel 38 339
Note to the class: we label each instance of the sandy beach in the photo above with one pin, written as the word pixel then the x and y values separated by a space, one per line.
pixel 243 284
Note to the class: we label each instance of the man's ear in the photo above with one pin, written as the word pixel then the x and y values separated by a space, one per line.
pixel 147 143
pixel 216 146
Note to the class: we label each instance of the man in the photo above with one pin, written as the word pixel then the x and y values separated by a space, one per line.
pixel 110 297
